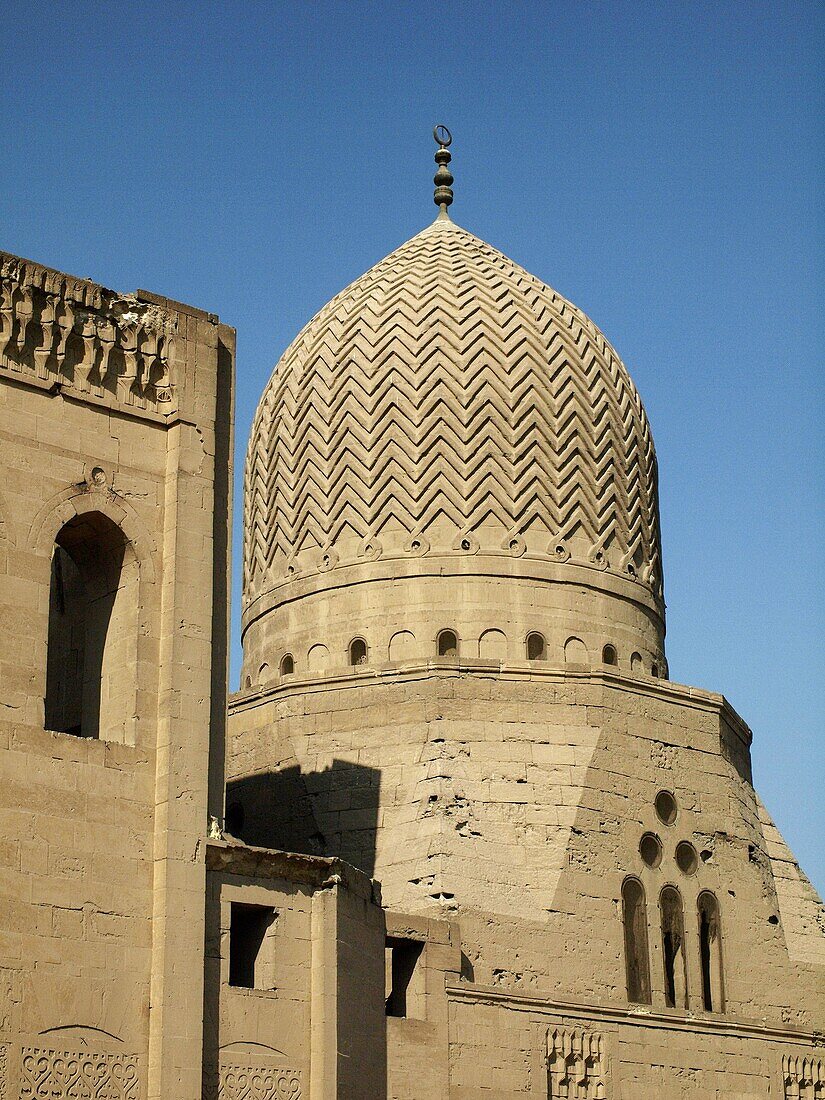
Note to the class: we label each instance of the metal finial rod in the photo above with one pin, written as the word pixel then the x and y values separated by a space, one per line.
pixel 443 177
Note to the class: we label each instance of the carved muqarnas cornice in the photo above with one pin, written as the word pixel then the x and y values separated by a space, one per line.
pixel 57 330
pixel 803 1077
pixel 575 1064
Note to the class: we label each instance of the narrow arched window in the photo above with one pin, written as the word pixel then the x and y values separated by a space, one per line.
pixel 91 657
pixel 673 948
pixel 287 664
pixel 447 645
pixel 536 647
pixel 358 652
pixel 609 655
pixel 636 954
pixel 710 952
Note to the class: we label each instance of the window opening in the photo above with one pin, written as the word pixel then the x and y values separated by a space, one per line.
pixel 710 953
pixel 447 644
pixel 650 849
pixel 235 816
pixel 404 977
pixel 536 647
pixel 287 664
pixel 93 630
pixel 666 808
pixel 358 652
pixel 609 656
pixel 636 954
pixel 673 948
pixel 247 930
pixel 686 857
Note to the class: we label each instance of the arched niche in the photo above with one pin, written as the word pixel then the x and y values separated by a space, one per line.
pixel 402 646
pixel 446 644
pixel 92 642
pixel 710 952
pixel 493 645
pixel 636 952
pixel 575 652
pixel 674 958
pixel 317 657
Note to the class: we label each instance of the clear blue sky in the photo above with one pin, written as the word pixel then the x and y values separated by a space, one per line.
pixel 659 164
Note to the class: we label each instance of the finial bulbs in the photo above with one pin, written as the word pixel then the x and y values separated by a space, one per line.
pixel 443 177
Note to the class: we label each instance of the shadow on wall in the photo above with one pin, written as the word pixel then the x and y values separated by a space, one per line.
pixel 333 812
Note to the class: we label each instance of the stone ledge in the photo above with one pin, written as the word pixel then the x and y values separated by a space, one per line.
pixel 669 1021
pixel 319 872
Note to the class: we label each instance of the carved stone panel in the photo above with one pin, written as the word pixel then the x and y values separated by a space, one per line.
pixel 78 1075
pixel 56 330
pixel 575 1065
pixel 243 1082
pixel 803 1077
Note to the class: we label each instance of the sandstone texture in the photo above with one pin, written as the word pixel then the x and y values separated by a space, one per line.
pixel 458 836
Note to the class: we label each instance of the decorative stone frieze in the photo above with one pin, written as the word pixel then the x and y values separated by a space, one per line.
pixel 241 1082
pixel 57 330
pixel 803 1077
pixel 78 1075
pixel 575 1065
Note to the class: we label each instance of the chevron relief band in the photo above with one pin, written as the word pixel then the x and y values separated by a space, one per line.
pixel 450 400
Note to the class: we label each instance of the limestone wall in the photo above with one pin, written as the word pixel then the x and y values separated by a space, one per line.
pixel 515 800
pixel 115 435
pixel 309 1023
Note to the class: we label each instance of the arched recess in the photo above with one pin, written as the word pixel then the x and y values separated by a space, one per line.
pixel 130 546
pixel 536 646
pixel 358 652
pixel 317 657
pixel 493 645
pixel 673 948
pixel 575 652
pixel 402 646
pixel 287 664
pixel 91 656
pixel 710 952
pixel 446 644
pixel 636 952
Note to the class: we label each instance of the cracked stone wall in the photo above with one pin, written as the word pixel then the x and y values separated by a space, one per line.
pixel 514 802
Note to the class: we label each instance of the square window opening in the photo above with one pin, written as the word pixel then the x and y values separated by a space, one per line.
pixel 404 978
pixel 248 929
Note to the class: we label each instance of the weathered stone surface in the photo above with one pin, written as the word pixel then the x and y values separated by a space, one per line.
pixel 474 842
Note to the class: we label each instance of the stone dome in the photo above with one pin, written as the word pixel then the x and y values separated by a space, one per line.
pixel 450 414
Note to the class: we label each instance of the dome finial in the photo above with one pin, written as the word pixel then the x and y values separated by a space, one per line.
pixel 443 177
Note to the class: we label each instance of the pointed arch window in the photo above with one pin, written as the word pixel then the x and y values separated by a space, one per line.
pixel 673 948
pixel 287 664
pixel 710 952
pixel 91 658
pixel 358 652
pixel 636 953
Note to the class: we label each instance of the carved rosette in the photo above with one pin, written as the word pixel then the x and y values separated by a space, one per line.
pixel 60 331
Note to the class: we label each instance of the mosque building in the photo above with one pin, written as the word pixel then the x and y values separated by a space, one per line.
pixel 458 836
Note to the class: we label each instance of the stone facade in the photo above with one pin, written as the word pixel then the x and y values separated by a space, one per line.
pixel 461 836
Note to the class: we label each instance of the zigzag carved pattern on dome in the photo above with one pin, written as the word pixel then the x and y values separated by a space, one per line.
pixel 448 381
